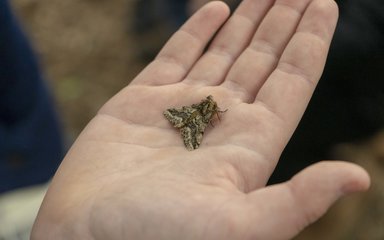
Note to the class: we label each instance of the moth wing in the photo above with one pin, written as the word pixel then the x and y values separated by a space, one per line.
pixel 192 135
pixel 178 117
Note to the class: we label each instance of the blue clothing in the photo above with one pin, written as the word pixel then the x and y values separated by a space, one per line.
pixel 30 140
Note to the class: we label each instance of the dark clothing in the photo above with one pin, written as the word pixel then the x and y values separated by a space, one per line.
pixel 348 104
pixel 30 141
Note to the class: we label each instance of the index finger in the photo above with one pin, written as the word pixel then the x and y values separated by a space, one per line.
pixel 185 47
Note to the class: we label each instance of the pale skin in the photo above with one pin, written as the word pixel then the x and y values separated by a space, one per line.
pixel 129 176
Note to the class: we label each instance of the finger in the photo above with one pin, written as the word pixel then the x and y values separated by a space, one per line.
pixel 185 46
pixel 234 36
pixel 287 91
pixel 292 206
pixel 260 58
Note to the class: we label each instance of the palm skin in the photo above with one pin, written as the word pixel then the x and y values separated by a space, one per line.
pixel 129 176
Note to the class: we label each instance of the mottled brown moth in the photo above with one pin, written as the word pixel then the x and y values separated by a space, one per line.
pixel 192 120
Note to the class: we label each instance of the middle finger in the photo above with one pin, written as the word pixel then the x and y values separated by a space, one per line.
pixel 257 62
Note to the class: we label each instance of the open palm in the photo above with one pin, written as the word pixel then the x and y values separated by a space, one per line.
pixel 129 176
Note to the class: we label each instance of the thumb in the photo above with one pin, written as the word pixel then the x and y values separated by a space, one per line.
pixel 286 209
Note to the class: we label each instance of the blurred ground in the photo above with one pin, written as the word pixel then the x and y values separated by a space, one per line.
pixel 88 53
pixel 86 50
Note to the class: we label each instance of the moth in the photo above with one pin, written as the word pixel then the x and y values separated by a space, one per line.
pixel 192 120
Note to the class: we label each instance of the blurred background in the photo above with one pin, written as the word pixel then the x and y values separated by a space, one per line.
pixel 87 50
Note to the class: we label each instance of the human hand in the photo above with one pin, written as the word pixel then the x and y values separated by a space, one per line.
pixel 194 5
pixel 129 176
